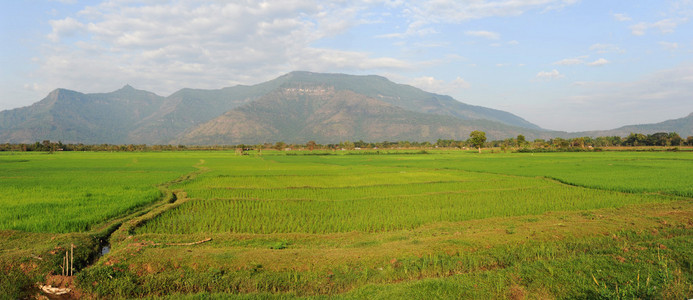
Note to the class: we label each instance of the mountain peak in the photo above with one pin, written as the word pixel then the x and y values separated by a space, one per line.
pixel 60 92
pixel 127 87
pixel 128 90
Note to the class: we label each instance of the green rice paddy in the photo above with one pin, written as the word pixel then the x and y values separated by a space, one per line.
pixel 445 224
pixel 309 195
pixel 72 192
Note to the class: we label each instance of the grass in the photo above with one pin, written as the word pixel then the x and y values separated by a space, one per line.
pixel 380 207
pixel 71 192
pixel 447 224
pixel 632 172
pixel 556 256
pixel 326 194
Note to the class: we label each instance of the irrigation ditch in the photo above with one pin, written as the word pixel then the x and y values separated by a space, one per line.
pixel 102 240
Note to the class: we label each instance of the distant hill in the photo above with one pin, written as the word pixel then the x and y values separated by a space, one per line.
pixel 359 107
pixel 404 96
pixel 294 108
pixel 682 126
pixel 71 116
pixel 190 107
pixel 299 113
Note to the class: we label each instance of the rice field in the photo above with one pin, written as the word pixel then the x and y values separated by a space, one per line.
pixel 441 224
pixel 343 193
pixel 72 192
pixel 632 172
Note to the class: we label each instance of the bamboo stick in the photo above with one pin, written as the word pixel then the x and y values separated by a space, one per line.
pixel 72 260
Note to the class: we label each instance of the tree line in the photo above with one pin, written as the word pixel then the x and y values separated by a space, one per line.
pixel 664 139
pixel 477 140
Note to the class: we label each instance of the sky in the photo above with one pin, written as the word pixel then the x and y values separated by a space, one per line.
pixel 571 65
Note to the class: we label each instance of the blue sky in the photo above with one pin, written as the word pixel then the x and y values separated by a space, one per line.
pixel 562 64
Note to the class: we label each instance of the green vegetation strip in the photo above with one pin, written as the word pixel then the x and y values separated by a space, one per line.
pixel 308 225
pixel 381 208
pixel 585 256
pixel 631 172
pixel 302 194
pixel 72 192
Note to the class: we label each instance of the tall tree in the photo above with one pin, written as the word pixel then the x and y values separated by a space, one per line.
pixel 521 141
pixel 477 138
pixel 311 145
pixel 657 139
pixel 675 139
pixel 635 139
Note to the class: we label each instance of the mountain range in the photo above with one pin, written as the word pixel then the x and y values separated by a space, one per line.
pixel 293 108
pixel 682 126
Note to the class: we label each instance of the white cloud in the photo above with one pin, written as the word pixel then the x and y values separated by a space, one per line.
pixel 419 14
pixel 581 60
pixel 549 75
pixel 65 1
pixel 639 29
pixel 669 45
pixel 431 84
pixel 622 17
pixel 598 62
pixel 204 44
pixel 652 98
pixel 509 43
pixel 606 48
pixel 571 61
pixel 432 45
pixel 32 86
pixel 64 28
pixel 326 60
pixel 161 46
pixel 665 26
pixel 461 83
pixel 457 11
pixel 483 34
pixel 391 35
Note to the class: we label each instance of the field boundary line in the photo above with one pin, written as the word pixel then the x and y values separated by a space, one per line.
pixel 658 193
pixel 173 199
pixel 139 211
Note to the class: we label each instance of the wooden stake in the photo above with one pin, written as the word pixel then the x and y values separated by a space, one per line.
pixel 65 265
pixel 72 260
